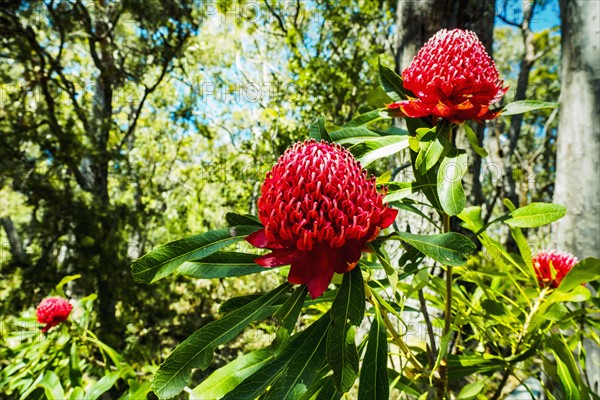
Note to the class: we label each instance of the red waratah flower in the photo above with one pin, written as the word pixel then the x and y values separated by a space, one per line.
pixel 318 209
pixel 552 275
pixel 52 311
pixel 454 78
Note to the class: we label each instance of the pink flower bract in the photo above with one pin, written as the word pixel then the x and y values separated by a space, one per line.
pixel 319 209
pixel 452 77
pixel 52 311
pixel 561 264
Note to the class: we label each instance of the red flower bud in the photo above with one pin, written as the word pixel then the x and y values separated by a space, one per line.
pixel 546 261
pixel 318 208
pixel 454 78
pixel 52 311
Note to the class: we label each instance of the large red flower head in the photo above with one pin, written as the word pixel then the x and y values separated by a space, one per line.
pixel 551 266
pixel 318 208
pixel 454 78
pixel 52 311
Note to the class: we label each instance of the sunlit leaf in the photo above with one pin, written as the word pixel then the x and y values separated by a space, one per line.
pixel 164 260
pixel 374 383
pixel 221 265
pixel 536 214
pixel 197 350
pixel 523 106
pixel 347 311
pixel 447 248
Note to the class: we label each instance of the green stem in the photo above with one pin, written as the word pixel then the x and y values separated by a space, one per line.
pixel 448 309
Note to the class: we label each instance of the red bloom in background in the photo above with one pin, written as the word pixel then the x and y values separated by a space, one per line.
pixel 454 78
pixel 52 311
pixel 551 266
pixel 318 208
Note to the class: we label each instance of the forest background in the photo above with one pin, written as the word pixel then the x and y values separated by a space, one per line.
pixel 130 124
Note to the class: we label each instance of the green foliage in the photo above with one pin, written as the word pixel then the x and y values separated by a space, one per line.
pixel 68 362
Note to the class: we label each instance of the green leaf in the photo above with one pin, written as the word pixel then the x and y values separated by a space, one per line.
pixel 447 248
pixel 391 82
pixel 77 394
pixel 328 391
pixel 64 281
pixel 474 141
pixel 287 316
pixel 197 350
pixel 493 307
pixel 221 265
pixel 373 374
pixel 372 150
pixel 234 219
pixel 103 385
pixel 536 214
pixel 400 190
pixel 460 366
pixel 352 135
pixel 226 378
pixel 74 370
pixel 567 369
pixel 471 390
pixel 347 311
pixel 402 383
pixel 318 132
pixel 586 270
pixel 433 144
pixel 164 260
pixel 51 385
pixel 365 119
pixel 292 370
pixel 427 182
pixel 234 303
pixel 449 182
pixel 523 106
pixel 384 259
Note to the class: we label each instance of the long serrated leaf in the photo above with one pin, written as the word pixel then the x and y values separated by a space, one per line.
pixel 373 373
pixel 536 214
pixel 447 248
pixel 318 131
pixel 365 119
pixel 523 106
pixel 164 260
pixel 392 84
pixel 226 378
pixel 197 350
pixel 234 219
pixel 301 348
pixel 287 316
pixel 449 182
pixel 221 265
pixel 342 135
pixel 347 311
pixel 373 150
pixel 400 190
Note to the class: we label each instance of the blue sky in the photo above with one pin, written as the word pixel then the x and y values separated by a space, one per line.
pixel 543 18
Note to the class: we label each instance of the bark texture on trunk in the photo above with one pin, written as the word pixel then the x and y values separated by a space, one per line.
pixel 578 147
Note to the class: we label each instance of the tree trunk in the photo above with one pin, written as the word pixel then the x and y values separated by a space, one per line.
pixel 578 147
